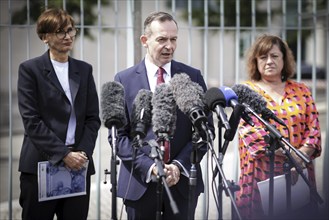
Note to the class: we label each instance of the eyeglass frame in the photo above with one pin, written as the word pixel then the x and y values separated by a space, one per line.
pixel 66 32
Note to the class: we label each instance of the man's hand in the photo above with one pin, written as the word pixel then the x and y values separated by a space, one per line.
pixel 172 174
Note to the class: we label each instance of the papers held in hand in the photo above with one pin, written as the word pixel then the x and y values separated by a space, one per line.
pixel 300 194
pixel 58 181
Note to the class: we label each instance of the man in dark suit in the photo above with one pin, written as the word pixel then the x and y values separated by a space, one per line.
pixel 58 103
pixel 139 191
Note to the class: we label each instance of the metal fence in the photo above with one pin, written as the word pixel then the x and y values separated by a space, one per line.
pixel 213 35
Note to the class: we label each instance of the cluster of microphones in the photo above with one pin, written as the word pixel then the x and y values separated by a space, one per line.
pixel 158 109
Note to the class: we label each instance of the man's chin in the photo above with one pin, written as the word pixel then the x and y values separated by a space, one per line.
pixel 166 59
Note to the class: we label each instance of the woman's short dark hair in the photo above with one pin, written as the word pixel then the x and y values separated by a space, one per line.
pixel 53 19
pixel 263 45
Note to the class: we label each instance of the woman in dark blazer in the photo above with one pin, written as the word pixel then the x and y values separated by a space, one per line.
pixel 58 103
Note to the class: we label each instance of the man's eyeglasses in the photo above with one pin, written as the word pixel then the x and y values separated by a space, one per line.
pixel 61 34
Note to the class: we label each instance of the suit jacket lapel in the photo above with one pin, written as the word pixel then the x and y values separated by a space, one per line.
pixel 50 72
pixel 141 76
pixel 174 68
pixel 74 79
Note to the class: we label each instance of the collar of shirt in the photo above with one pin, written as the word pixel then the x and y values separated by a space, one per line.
pixel 152 69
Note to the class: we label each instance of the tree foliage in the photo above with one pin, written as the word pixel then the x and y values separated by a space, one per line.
pixel 261 15
pixel 229 13
pixel 245 11
pixel 72 6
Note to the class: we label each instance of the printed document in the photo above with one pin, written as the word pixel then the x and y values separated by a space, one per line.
pixel 58 181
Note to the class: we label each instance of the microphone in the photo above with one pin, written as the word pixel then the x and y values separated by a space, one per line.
pixel 215 100
pixel 141 115
pixel 256 102
pixel 234 122
pixel 112 105
pixel 232 101
pixel 164 117
pixel 188 96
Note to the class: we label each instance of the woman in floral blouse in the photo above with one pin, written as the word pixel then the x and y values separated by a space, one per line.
pixel 271 65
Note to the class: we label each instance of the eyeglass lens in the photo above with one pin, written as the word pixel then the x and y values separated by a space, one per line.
pixel 62 34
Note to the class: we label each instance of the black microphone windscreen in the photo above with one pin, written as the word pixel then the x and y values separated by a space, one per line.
pixel 248 96
pixel 187 93
pixel 213 97
pixel 141 111
pixel 234 122
pixel 112 104
pixel 164 110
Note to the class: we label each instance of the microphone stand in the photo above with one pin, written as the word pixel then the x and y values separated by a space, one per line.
pixel 286 167
pixel 113 172
pixel 220 179
pixel 161 180
pixel 270 152
pixel 228 192
pixel 233 187
pixel 275 137
pixel 193 172
pixel 313 192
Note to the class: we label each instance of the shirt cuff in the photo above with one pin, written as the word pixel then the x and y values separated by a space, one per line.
pixel 149 174
pixel 181 168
